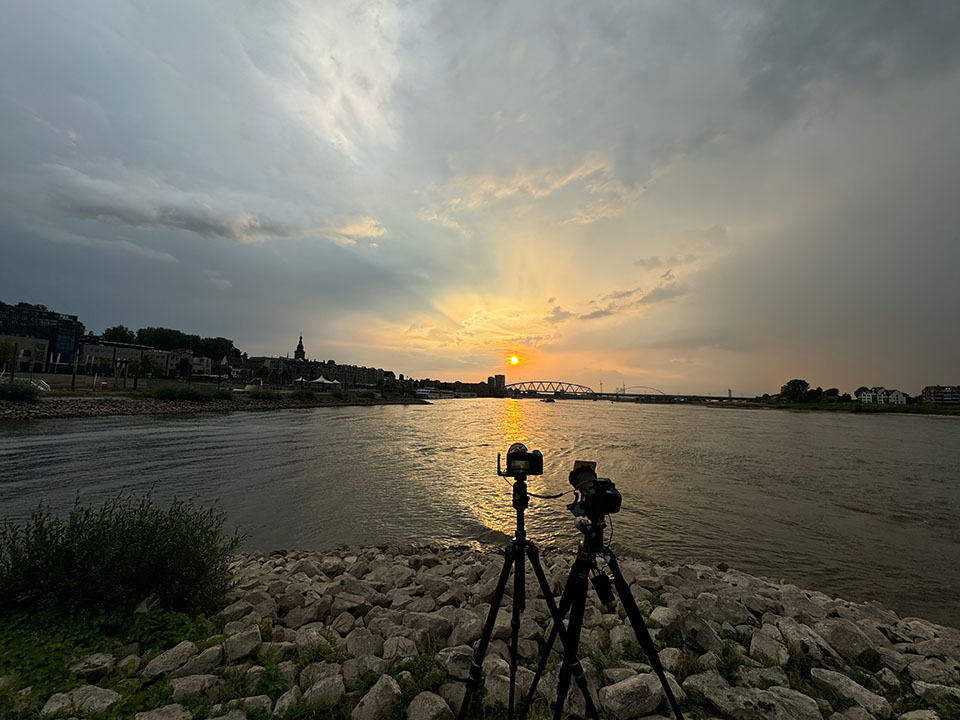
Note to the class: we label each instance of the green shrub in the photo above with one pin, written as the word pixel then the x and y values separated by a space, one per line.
pixel 264 395
pixel 368 394
pixel 112 557
pixel 223 395
pixel 19 392
pixel 305 395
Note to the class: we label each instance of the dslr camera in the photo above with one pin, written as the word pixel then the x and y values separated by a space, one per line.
pixel 521 462
pixel 596 497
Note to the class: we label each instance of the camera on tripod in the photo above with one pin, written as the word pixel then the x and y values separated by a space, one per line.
pixel 521 462
pixel 596 497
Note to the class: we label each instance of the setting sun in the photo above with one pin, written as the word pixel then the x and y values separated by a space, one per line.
pixel 513 360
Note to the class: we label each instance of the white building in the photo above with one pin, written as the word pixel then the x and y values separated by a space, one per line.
pixel 882 396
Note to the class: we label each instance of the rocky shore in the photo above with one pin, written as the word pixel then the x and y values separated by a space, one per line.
pixel 86 406
pixel 386 633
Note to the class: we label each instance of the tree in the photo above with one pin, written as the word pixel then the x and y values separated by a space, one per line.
pixel 6 353
pixel 793 391
pixel 119 334
pixel 860 390
pixel 845 397
pixel 814 395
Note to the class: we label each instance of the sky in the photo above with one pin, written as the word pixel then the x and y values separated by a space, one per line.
pixel 690 196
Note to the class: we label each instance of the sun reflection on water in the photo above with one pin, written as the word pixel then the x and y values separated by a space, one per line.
pixel 494 509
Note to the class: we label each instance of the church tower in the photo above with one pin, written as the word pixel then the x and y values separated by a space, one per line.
pixel 299 353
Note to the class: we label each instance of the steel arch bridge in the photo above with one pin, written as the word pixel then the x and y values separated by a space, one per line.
pixel 550 386
pixel 644 387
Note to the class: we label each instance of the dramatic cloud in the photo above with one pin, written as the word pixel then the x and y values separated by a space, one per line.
pixel 709 195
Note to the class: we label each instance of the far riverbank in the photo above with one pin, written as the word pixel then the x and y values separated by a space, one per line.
pixel 95 405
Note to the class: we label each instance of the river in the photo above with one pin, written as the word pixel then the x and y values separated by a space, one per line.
pixel 861 506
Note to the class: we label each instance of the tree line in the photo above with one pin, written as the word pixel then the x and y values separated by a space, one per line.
pixel 214 348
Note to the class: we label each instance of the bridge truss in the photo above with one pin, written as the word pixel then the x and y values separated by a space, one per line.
pixel 551 387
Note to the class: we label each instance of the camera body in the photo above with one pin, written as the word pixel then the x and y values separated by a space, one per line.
pixel 597 497
pixel 521 462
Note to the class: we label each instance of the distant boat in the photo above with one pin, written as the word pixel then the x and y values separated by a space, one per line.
pixel 547 400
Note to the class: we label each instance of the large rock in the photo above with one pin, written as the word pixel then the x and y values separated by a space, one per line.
pixel 167 712
pixel 96 666
pixel 456 661
pixel 86 700
pixel 496 687
pixel 428 706
pixel 698 634
pixel 325 693
pixel 397 647
pixel 932 692
pixel 315 672
pixel 201 664
pixel 171 659
pixel 363 642
pixel 766 646
pixel 749 703
pixel 201 687
pixel 287 701
pixel 636 696
pixel 844 686
pixel 379 700
pixel 467 631
pixel 242 644
pixel 848 639
pixel 433 624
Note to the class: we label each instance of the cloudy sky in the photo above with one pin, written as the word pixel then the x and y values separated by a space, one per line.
pixel 693 196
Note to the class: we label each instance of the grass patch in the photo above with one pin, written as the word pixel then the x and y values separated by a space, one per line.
pixel 728 660
pixel 655 598
pixel 687 664
pixel 106 559
pixel 305 395
pixel 19 392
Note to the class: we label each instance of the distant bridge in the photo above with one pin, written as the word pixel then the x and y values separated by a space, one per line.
pixel 582 392
pixel 552 387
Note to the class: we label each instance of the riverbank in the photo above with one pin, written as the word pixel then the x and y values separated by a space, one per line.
pixel 380 633
pixel 852 407
pixel 96 405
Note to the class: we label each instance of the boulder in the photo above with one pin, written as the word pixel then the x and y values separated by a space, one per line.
pixel 844 686
pixel 766 646
pixel 363 642
pixel 171 659
pixel 433 624
pixel 167 712
pixel 242 644
pixel 456 661
pixel 325 693
pixel 497 687
pixel 632 697
pixel 932 692
pixel 96 666
pixel 200 687
pixel 849 640
pixel 428 706
pixel 315 672
pixel 379 700
pixel 86 700
pixel 698 634
pixel 201 664
pixel 397 647
pixel 287 701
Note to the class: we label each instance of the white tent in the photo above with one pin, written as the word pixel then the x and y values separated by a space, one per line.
pixel 323 381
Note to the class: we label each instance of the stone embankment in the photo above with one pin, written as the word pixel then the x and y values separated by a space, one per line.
pixel 86 406
pixel 390 632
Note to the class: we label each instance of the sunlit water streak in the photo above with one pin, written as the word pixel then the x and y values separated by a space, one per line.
pixel 861 506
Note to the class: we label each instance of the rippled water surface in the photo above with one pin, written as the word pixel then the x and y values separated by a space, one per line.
pixel 860 506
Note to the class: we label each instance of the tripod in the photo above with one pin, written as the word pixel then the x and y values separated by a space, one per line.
pixel 573 600
pixel 514 553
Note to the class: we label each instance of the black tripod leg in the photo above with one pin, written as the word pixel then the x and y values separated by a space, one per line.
pixel 476 668
pixel 519 605
pixel 555 630
pixel 640 630
pixel 578 675
pixel 572 644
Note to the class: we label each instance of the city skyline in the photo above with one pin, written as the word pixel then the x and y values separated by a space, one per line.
pixel 679 196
